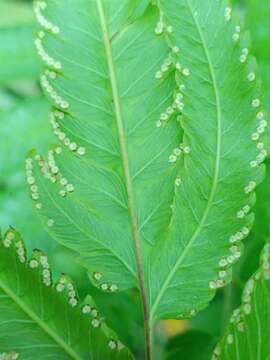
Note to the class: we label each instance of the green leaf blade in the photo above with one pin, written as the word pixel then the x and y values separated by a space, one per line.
pixel 38 318
pixel 194 344
pixel 218 123
pixel 123 156
pixel 247 334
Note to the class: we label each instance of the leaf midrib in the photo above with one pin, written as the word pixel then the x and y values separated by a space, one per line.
pixel 216 172
pixel 122 140
pixel 36 319
pixel 127 175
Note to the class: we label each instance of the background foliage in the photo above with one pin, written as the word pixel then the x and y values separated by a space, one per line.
pixel 24 125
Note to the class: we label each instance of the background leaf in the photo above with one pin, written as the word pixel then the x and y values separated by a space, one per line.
pixel 18 53
pixel 25 124
pixel 41 319
pixel 247 334
pixel 193 345
pixel 14 12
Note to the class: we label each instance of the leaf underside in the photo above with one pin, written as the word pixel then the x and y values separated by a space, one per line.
pixel 125 174
pixel 43 320
pixel 247 336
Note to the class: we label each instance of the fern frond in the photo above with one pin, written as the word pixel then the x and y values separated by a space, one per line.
pixel 159 119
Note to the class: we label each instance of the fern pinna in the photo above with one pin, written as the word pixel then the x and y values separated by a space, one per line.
pixel 247 333
pixel 42 318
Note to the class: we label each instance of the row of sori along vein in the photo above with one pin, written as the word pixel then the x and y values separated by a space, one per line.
pixel 39 262
pixel 238 319
pixel 178 104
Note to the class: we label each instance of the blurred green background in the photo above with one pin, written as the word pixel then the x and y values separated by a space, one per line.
pixel 24 125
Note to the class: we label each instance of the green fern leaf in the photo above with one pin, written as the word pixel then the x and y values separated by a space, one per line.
pixel 247 336
pixel 40 319
pixel 158 114
pixel 95 219
pixel 211 206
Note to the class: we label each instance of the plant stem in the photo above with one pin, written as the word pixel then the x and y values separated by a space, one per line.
pixel 148 336
pixel 128 180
